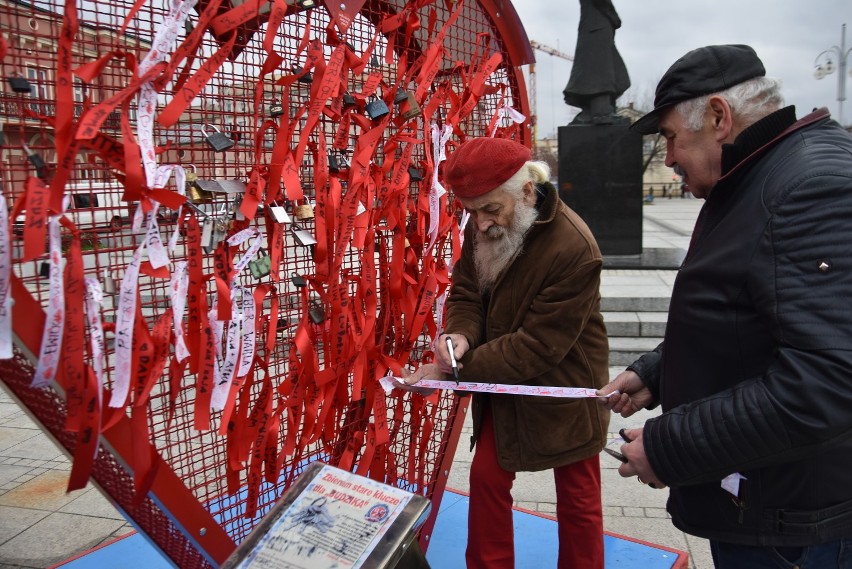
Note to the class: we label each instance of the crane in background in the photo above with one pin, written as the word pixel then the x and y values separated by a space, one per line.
pixel 533 94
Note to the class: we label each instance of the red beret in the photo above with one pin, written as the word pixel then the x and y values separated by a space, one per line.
pixel 481 164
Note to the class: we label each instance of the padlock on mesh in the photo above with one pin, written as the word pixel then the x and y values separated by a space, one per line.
pixel 109 284
pixel 298 280
pixel 261 266
pixel 415 174
pixel 400 96
pixel 304 211
pixel 349 100
pixel 337 162
pixel 409 108
pixel 19 84
pixel 193 191
pixel 316 313
pixel 377 108
pixel 276 110
pixel 36 160
pixel 217 140
pixel 302 76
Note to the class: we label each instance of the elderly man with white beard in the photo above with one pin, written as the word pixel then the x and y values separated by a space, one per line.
pixel 524 309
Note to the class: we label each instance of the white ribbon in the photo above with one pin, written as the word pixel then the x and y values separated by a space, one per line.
pixel 124 330
pixel 439 154
pixel 389 382
pixel 179 286
pixel 51 339
pixel 161 47
pixel 94 299
pixel 223 372
pixel 160 181
pixel 508 112
pixel 248 344
pixel 239 238
pixel 5 273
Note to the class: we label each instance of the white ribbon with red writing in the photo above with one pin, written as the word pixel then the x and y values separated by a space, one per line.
pixel 239 238
pixel 94 299
pixel 5 273
pixel 124 330
pixel 160 180
pixel 248 324
pixel 51 339
pixel 226 364
pixel 161 47
pixel 388 384
pixel 179 286
pixel 439 154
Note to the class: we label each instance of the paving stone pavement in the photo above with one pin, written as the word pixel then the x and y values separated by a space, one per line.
pixel 41 525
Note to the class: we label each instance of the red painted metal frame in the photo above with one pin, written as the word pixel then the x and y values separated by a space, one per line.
pixel 172 515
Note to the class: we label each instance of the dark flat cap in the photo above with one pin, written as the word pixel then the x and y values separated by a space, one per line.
pixel 700 72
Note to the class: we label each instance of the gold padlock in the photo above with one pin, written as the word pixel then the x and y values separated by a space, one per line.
pixel 304 211
pixel 193 191
pixel 409 108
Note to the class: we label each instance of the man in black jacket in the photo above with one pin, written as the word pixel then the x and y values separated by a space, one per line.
pixel 755 372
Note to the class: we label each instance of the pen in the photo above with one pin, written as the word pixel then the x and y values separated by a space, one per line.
pixel 455 364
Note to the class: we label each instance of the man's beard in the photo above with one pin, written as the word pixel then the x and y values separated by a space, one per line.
pixel 498 246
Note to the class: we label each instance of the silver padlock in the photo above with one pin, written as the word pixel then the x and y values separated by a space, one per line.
pixel 217 140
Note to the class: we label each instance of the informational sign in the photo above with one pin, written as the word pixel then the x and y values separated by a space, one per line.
pixel 336 520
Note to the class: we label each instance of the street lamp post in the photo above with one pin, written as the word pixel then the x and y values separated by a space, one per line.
pixel 824 65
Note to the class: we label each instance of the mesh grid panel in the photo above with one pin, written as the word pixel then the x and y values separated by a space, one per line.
pixel 279 419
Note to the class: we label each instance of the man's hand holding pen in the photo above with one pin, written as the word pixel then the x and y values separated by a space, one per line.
pixel 449 350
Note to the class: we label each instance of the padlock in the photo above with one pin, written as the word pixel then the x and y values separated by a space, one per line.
pixel 316 314
pixel 376 109
pixel 20 85
pixel 208 234
pixel 304 211
pixel 44 270
pixel 276 110
pixel 279 214
pixel 109 284
pixel 306 78
pixel 218 140
pixel 400 96
pixel 194 193
pixel 337 162
pixel 304 237
pixel 349 100
pixel 36 160
pixel 409 108
pixel 261 266
pixel 416 174
pixel 298 280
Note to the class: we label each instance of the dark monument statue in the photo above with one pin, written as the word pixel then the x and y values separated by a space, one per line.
pixel 600 159
pixel 599 75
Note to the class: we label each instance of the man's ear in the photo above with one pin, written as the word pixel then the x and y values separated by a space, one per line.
pixel 529 190
pixel 721 118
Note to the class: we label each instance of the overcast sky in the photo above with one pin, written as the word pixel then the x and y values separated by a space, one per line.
pixel 786 34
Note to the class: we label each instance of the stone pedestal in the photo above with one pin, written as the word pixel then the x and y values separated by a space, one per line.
pixel 600 177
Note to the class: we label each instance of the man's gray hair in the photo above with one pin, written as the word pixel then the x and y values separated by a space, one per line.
pixel 750 101
pixel 538 172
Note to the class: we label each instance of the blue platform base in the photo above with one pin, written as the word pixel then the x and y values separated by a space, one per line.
pixel 535 539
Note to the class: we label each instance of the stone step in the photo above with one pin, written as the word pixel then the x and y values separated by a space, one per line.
pixel 635 304
pixel 624 351
pixel 635 324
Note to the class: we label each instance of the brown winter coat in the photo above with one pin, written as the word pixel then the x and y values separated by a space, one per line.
pixel 543 326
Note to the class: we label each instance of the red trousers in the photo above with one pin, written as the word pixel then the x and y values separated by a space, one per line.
pixel 579 515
